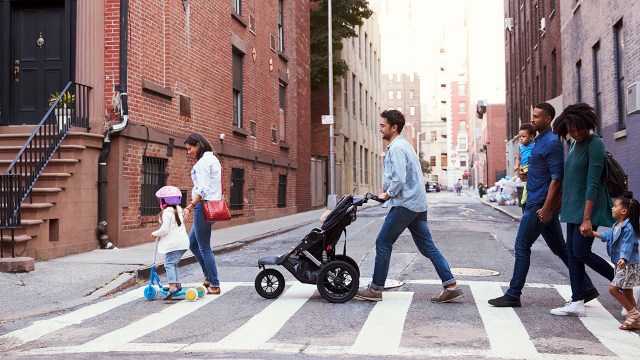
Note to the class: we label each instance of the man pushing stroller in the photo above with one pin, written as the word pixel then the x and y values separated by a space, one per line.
pixel 404 192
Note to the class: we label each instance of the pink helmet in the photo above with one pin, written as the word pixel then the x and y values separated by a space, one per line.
pixel 169 195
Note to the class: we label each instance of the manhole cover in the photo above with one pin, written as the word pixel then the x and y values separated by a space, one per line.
pixel 473 272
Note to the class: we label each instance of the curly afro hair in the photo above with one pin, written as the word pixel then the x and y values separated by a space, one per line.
pixel 580 116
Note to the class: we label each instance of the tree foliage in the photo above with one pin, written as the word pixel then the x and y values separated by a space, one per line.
pixel 346 15
pixel 425 165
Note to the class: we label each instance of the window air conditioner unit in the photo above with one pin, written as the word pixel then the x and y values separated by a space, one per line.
pixel 543 24
pixel 508 23
pixel 633 99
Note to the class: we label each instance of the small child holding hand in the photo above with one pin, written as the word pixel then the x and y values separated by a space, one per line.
pixel 622 246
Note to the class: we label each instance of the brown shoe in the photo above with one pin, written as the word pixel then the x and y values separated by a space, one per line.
pixel 213 290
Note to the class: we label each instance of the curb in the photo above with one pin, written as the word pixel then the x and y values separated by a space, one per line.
pixel 498 208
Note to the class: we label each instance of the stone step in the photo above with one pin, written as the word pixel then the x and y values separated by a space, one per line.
pixel 77 137
pixel 55 165
pixel 19 239
pixel 66 151
pixel 52 180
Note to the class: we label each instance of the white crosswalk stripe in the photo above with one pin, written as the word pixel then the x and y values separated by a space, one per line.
pixel 381 333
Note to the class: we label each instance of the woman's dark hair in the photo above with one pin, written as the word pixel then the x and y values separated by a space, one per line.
pixel 528 128
pixel 631 204
pixel 394 117
pixel 580 116
pixel 175 212
pixel 195 139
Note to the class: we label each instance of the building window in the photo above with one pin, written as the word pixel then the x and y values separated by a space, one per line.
pixel 366 108
pixel 462 89
pixel 345 92
pixel 619 63
pixel 237 89
pixel 280 25
pixel 463 161
pixel 411 78
pixel 283 112
pixel 434 135
pixel 153 178
pixel 411 94
pixel 597 89
pixel 366 166
pixel 366 58
pixel 237 6
pixel 579 80
pixel 361 165
pixel 432 161
pixel 443 161
pixel 353 94
pixel 463 144
pixel 390 94
pixel 554 74
pixel 400 108
pixel 462 107
pixel 354 174
pixel 399 94
pixel 360 42
pixel 282 191
pixel 399 77
pixel 360 102
pixel 463 125
pixel 412 110
pixel 390 77
pixel 237 185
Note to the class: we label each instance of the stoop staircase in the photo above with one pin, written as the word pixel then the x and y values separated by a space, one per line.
pixel 37 167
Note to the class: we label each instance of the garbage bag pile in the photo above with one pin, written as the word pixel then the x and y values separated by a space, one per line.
pixel 505 192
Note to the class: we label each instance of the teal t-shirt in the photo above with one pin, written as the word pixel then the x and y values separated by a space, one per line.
pixel 583 180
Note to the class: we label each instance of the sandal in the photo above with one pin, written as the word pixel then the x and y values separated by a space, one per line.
pixel 632 322
pixel 213 290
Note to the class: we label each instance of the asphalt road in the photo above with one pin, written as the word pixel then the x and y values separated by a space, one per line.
pixel 239 324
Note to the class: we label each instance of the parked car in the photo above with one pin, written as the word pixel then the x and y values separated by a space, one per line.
pixel 432 186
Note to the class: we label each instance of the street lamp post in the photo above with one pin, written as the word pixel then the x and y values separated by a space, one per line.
pixel 331 198
pixel 481 109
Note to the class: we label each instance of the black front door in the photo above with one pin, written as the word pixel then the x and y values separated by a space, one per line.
pixel 38 61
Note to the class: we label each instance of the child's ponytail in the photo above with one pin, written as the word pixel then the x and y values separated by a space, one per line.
pixel 175 212
pixel 632 204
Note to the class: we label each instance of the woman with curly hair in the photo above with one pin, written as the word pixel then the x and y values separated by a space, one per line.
pixel 586 202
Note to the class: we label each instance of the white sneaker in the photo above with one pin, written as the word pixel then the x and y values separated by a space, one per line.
pixel 571 308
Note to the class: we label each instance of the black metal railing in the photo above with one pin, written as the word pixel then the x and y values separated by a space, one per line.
pixel 70 108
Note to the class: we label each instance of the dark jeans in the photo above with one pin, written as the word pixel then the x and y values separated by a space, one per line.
pixel 579 249
pixel 397 220
pixel 528 232
pixel 200 245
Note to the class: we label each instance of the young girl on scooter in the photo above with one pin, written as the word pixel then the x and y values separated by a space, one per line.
pixel 173 239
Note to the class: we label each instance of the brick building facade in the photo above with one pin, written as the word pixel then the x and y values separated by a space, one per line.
pixel 237 72
pixel 601 66
pixel 533 54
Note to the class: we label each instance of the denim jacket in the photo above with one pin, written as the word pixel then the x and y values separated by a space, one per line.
pixel 622 244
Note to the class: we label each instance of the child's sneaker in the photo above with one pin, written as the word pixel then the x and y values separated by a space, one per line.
pixel 173 291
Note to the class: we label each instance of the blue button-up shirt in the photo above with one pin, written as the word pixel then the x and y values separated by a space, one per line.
pixel 402 178
pixel 546 163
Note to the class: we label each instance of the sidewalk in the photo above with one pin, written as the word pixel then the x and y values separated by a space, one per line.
pixel 514 212
pixel 68 281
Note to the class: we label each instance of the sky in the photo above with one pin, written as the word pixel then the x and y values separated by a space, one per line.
pixel 413 31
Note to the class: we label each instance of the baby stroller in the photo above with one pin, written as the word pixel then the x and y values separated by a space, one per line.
pixel 314 260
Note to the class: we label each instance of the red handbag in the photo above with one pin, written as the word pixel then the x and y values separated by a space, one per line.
pixel 217 210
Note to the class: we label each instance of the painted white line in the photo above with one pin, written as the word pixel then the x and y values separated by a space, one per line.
pixel 467 282
pixel 381 333
pixel 625 344
pixel 116 340
pixel 263 326
pixel 507 335
pixel 45 327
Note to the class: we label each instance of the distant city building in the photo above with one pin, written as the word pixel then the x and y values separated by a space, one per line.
pixel 402 92
pixel 357 142
pixel 600 66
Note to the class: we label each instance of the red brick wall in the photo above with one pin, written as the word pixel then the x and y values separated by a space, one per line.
pixel 190 53
pixel 496 134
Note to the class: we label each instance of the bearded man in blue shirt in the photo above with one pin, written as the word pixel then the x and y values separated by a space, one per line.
pixel 404 192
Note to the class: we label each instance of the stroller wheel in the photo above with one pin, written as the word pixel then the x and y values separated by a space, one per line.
pixel 269 283
pixel 338 281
